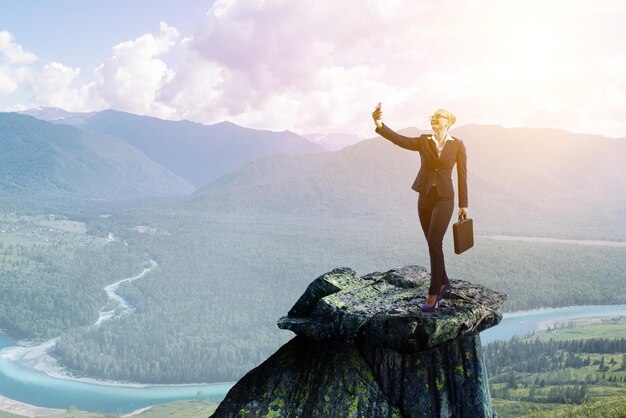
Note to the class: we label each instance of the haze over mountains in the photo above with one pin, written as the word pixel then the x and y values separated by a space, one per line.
pixel 521 180
pixel 198 153
pixel 333 141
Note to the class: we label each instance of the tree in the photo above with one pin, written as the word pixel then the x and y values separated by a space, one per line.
pixel 511 381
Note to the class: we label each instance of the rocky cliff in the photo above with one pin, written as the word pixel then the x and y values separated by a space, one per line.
pixel 365 349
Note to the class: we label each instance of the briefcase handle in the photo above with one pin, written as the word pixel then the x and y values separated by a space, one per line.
pixel 462 217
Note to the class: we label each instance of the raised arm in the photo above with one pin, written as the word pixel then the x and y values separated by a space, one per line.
pixel 384 131
pixel 461 168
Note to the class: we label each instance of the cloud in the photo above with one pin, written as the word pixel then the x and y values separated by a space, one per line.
pixel 131 78
pixel 14 62
pixel 193 93
pixel 7 82
pixel 294 65
pixel 55 85
pixel 320 66
pixel 12 53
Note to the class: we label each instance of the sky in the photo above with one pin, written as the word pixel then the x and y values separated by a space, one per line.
pixel 320 66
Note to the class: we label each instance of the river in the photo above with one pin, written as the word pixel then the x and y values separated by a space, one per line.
pixel 30 375
pixel 525 322
pixel 37 388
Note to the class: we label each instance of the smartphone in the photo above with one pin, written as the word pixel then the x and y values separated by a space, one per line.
pixel 378 105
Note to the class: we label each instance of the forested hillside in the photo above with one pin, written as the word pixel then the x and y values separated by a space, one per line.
pixel 51 280
pixel 43 161
pixel 208 313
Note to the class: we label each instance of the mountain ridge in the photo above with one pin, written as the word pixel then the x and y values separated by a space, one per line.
pixel 39 158
pixel 196 152
pixel 543 178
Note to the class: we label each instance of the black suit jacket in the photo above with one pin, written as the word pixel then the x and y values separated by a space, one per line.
pixel 434 169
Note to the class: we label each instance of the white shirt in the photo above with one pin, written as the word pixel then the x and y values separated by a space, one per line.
pixel 440 148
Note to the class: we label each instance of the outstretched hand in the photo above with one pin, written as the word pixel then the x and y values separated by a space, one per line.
pixel 377 115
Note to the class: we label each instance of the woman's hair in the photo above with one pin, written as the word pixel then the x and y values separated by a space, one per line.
pixel 449 115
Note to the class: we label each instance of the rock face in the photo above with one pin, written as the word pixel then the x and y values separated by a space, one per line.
pixel 364 348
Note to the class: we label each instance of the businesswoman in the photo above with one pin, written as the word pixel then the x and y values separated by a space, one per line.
pixel 438 152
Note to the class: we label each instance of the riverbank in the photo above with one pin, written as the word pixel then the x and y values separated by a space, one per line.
pixel 38 359
pixel 137 412
pixel 32 377
pixel 26 410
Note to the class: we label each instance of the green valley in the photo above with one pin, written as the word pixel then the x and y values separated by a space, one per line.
pixel 575 370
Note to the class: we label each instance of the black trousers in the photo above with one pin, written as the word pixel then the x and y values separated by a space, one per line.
pixel 435 213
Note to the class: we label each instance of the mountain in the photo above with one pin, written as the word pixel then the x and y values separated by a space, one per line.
pixel 521 181
pixel 46 160
pixel 58 115
pixel 333 141
pixel 198 153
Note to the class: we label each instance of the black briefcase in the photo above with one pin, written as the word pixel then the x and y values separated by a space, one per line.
pixel 463 234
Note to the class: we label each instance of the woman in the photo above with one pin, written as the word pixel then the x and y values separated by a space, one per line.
pixel 439 152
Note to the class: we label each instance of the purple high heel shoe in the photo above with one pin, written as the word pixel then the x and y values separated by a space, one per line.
pixel 429 308
pixel 447 287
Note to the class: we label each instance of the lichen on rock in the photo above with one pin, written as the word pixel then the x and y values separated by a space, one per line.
pixel 384 309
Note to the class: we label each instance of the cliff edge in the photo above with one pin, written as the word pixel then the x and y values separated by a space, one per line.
pixel 365 349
